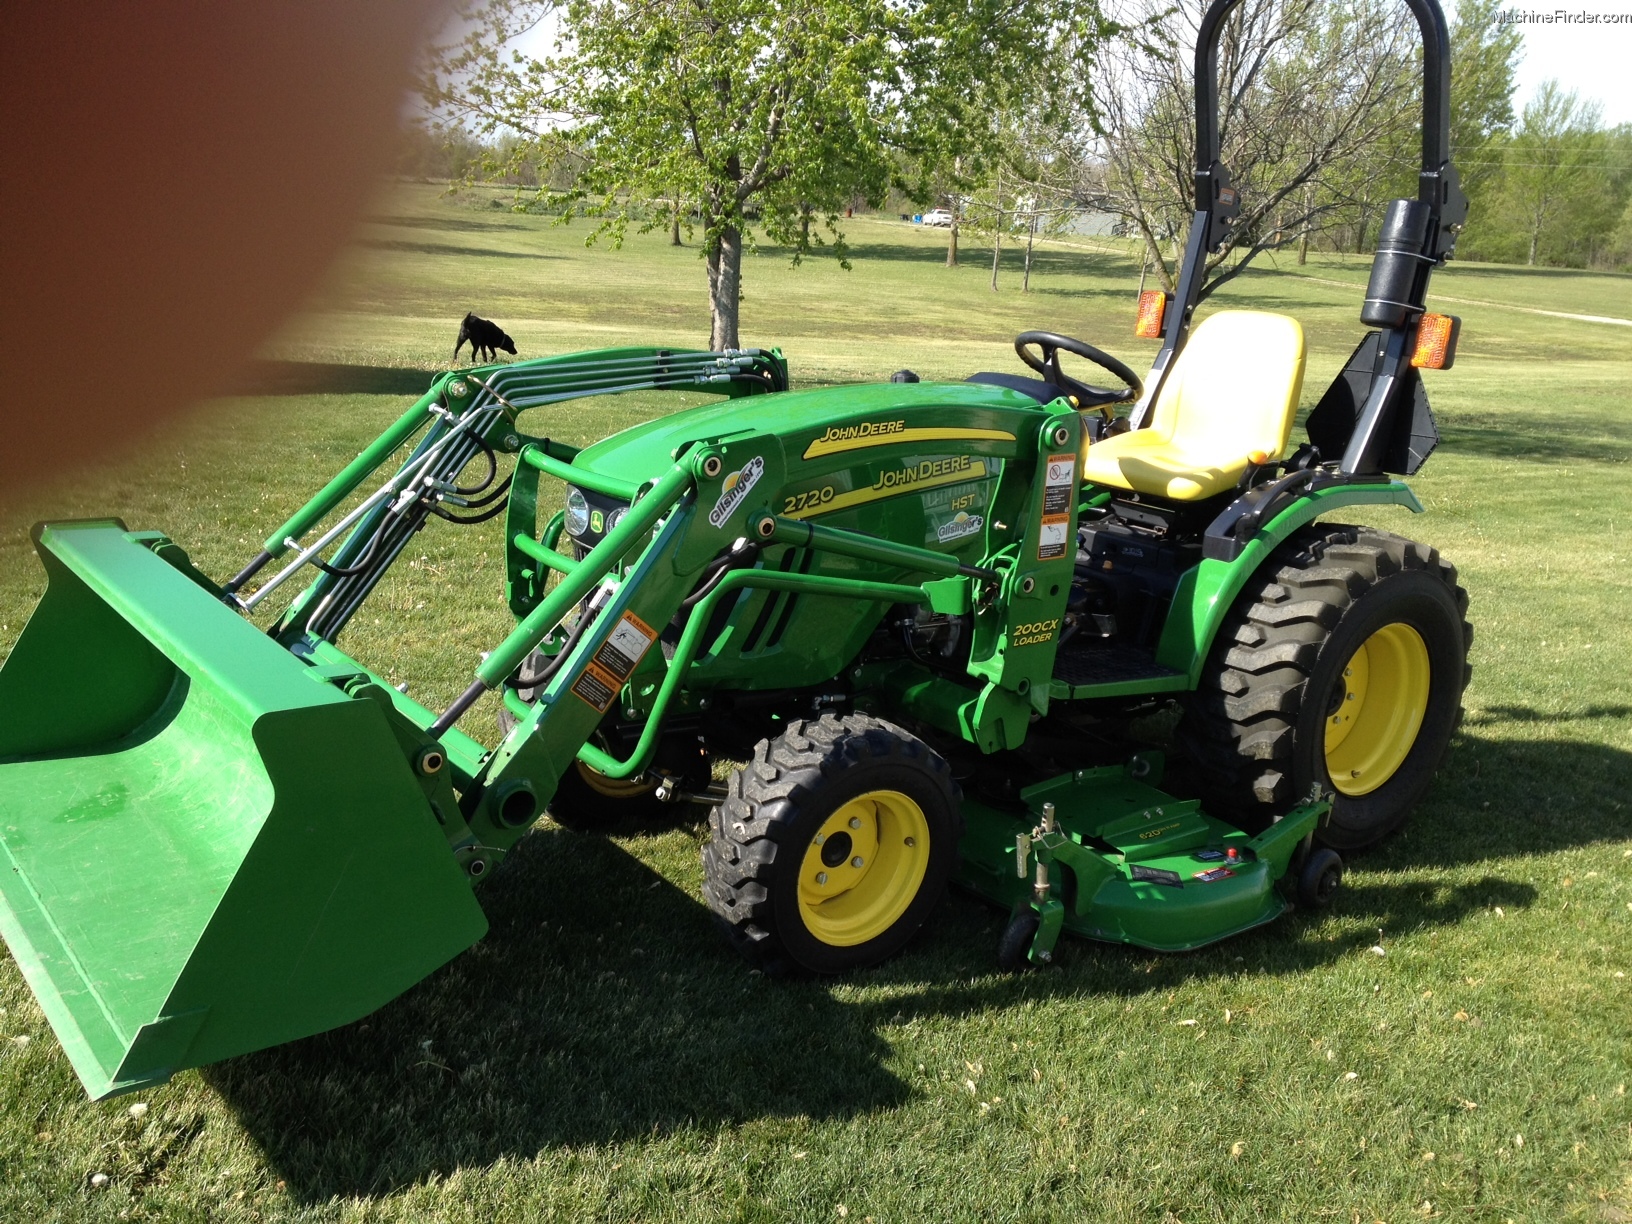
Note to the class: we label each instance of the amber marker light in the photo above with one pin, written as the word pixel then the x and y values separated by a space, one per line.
pixel 1152 306
pixel 1436 342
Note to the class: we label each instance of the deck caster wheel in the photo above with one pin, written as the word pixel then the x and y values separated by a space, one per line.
pixel 1319 878
pixel 1015 943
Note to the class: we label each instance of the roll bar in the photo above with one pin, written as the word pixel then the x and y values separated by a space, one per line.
pixel 1432 224
pixel 1436 85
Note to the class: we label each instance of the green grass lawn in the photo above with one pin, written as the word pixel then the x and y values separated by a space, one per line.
pixel 1453 1039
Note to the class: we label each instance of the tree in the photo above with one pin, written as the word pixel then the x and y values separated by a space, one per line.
pixel 1311 92
pixel 1553 175
pixel 1485 55
pixel 761 112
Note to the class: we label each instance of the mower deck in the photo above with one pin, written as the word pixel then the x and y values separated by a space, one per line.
pixel 1129 863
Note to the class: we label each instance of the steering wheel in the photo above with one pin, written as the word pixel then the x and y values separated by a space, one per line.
pixel 1087 397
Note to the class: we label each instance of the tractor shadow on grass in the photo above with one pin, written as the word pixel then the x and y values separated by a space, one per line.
pixel 602 1006
pixel 1503 798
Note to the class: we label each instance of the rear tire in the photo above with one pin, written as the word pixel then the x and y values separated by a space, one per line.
pixel 834 844
pixel 1342 665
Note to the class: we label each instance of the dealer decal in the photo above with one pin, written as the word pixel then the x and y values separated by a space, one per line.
pixel 960 525
pixel 736 489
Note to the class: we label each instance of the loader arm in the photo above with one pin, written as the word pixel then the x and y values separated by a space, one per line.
pixel 236 838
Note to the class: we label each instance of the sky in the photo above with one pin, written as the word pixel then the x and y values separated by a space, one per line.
pixel 1594 60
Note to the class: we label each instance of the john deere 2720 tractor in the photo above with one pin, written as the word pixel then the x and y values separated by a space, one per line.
pixel 913 618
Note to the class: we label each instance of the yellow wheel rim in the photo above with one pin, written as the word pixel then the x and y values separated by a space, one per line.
pixel 612 788
pixel 1376 709
pixel 863 868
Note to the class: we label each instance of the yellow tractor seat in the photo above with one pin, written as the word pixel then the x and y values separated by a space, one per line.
pixel 1232 393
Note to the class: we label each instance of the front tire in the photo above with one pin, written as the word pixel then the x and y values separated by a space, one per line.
pixel 833 845
pixel 1342 665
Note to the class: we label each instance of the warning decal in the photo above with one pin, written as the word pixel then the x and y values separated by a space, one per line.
pixel 592 686
pixel 618 656
pixel 1059 482
pixel 625 646
pixel 1059 487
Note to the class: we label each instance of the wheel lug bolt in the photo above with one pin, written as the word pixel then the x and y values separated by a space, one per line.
pixel 856 862
pixel 912 841
pixel 855 822
pixel 821 877
pixel 818 839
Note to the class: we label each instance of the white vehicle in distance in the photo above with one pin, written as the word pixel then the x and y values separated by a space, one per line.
pixel 938 216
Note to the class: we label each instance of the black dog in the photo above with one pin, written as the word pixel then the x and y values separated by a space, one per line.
pixel 485 338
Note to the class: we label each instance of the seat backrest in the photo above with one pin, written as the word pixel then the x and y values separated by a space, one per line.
pixel 1234 388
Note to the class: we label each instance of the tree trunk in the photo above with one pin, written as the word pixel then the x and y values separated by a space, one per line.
pixel 1031 234
pixel 1535 233
pixel 804 227
pixel 1153 257
pixel 997 228
pixel 952 241
pixel 674 224
pixel 1308 211
pixel 724 288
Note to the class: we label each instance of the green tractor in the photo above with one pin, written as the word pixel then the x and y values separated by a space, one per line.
pixel 914 619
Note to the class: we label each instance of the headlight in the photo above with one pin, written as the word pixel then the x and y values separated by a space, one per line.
pixel 577 513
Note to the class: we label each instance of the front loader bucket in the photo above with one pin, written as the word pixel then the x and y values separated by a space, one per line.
pixel 205 849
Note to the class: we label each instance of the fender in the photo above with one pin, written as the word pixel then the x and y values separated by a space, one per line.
pixel 1205 593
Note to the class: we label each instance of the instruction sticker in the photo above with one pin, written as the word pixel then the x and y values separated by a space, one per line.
pixel 1059 487
pixel 1213 873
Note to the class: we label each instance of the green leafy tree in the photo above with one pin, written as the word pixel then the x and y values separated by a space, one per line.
pixel 1555 184
pixel 759 113
pixel 1485 55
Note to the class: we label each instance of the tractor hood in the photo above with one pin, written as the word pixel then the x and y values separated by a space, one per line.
pixel 802 418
